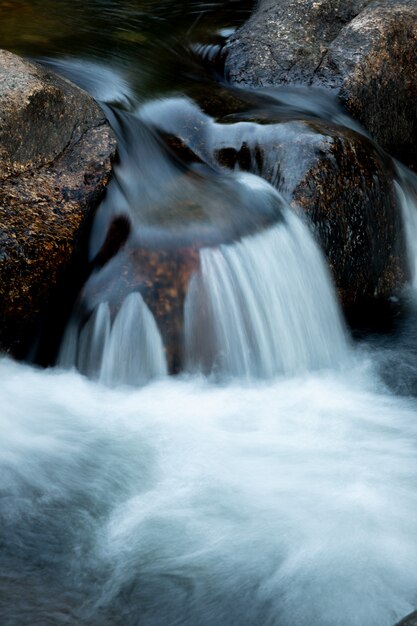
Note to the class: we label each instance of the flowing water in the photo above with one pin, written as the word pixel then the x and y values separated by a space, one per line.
pixel 273 482
pixel 266 306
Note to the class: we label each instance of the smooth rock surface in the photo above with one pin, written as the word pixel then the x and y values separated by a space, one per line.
pixel 56 150
pixel 366 52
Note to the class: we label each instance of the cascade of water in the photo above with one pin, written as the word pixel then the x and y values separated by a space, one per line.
pixel 406 189
pixel 262 306
pixel 129 351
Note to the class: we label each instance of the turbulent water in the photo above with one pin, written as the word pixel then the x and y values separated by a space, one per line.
pixel 273 482
pixel 292 502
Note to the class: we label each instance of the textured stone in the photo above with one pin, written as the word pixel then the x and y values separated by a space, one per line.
pixel 55 160
pixel 366 52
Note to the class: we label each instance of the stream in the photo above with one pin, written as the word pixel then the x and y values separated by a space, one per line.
pixel 272 480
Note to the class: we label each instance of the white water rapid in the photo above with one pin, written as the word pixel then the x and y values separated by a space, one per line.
pixel 185 503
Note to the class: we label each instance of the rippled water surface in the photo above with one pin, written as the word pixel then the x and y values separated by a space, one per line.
pixel 147 41
pixel 265 494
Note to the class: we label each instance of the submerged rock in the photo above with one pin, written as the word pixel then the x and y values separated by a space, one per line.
pixel 364 51
pixel 56 150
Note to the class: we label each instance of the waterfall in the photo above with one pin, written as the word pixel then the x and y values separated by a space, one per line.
pixel 406 190
pixel 263 306
pixel 129 351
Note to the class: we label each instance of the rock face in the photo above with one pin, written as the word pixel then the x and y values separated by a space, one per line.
pixel 56 150
pixel 365 52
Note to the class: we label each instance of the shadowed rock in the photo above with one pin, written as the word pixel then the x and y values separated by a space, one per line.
pixel 364 51
pixel 55 161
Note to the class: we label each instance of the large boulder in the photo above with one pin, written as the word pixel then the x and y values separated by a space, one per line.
pixel 365 52
pixel 56 150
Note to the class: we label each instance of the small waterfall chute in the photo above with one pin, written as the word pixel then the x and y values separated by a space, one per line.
pixel 134 352
pixel 406 189
pixel 263 306
pixel 94 337
pixel 127 351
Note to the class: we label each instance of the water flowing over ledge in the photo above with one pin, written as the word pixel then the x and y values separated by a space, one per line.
pixel 406 189
pixel 261 306
pixel 264 306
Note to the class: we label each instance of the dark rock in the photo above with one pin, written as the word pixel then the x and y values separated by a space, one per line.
pixel 364 51
pixel 348 195
pixel 55 160
pixel 410 620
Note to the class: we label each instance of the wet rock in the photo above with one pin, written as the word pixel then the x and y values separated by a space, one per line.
pixel 365 52
pixel 55 160
pixel 410 620
pixel 160 275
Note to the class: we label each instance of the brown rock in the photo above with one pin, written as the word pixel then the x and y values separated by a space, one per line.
pixel 365 52
pixel 161 276
pixel 55 160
